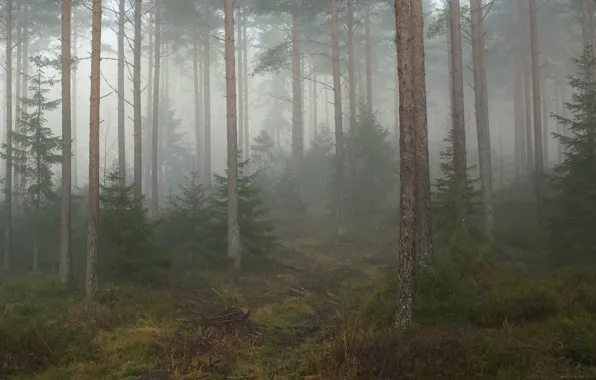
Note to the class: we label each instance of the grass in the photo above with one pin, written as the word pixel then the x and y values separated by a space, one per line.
pixel 324 313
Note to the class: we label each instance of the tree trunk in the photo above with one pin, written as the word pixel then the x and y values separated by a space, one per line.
pixel 18 100
pixel 457 113
pixel 240 92
pixel 8 184
pixel 523 36
pixel 545 128
pixel 207 107
pixel 245 121
pixel 197 103
pixel 75 143
pixel 147 157
pixel 482 120
pixel 407 153
pixel 369 86
pixel 420 125
pixel 314 103
pixel 91 280
pixel 155 118
pixel 519 122
pixel 65 216
pixel 297 124
pixel 539 160
pixel 138 130
pixel 559 111
pixel 339 134
pixel 234 248
pixel 121 120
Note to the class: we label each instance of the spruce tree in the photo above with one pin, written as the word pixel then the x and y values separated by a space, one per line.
pixel 129 252
pixel 574 179
pixel 452 239
pixel 35 148
pixel 185 225
pixel 256 231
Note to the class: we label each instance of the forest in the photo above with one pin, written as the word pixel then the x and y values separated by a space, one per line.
pixel 297 189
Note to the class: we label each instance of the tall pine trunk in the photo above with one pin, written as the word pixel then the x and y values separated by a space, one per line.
pixel 234 247
pixel 240 80
pixel 75 143
pixel 407 153
pixel 539 159
pixel 207 107
pixel 138 131
pixel 147 157
pixel 297 123
pixel 420 125
pixel 91 280
pixel 197 96
pixel 368 38
pixel 155 118
pixel 121 120
pixel 337 107
pixel 18 100
pixel 8 182
pixel 245 121
pixel 457 113
pixel 482 119
pixel 65 216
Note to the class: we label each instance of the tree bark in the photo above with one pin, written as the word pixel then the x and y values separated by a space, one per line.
pixel 91 280
pixel 138 130
pixel 482 119
pixel 234 248
pixel 121 120
pixel 18 100
pixel 207 107
pixel 519 122
pixel 407 152
pixel 240 76
pixel 245 121
pixel 367 35
pixel 545 127
pixel 297 124
pixel 8 183
pixel 339 134
pixel 539 160
pixel 75 143
pixel 155 118
pixel 523 36
pixel 457 113
pixel 197 103
pixel 65 216
pixel 147 157
pixel 420 125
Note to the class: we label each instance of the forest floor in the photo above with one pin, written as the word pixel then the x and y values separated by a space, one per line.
pixel 321 310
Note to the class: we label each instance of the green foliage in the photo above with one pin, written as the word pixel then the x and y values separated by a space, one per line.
pixel 129 252
pixel 287 191
pixel 255 229
pixel 574 179
pixel 35 147
pixel 370 170
pixel 176 156
pixel 262 150
pixel 451 237
pixel 185 224
pixel 318 166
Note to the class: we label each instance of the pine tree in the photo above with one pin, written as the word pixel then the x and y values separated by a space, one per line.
pixel 574 179
pixel 35 148
pixel 256 231
pixel 186 220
